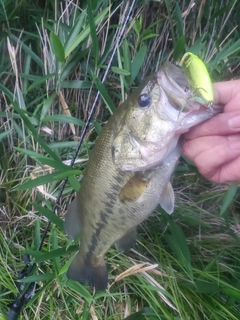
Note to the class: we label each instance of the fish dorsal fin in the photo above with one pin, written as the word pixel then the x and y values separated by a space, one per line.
pixel 167 199
pixel 134 188
pixel 72 222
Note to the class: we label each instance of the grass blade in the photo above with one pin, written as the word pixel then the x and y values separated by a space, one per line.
pixel 57 47
pixel 229 196
pixel 49 215
pixel 4 134
pixel 104 93
pixel 177 242
pixel 93 33
pixel 85 33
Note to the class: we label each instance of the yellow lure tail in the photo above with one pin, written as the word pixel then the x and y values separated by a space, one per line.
pixel 198 78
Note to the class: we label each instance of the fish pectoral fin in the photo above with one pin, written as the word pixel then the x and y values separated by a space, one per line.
pixel 167 199
pixel 134 188
pixel 72 224
pixel 127 241
pixel 95 276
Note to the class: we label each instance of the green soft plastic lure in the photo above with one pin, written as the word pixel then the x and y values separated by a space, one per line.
pixel 198 79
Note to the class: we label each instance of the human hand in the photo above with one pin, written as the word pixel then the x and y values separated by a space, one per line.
pixel 214 146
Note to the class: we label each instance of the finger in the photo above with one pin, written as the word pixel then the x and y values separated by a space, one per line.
pixel 209 153
pixel 225 91
pixel 233 104
pixel 221 124
pixel 229 172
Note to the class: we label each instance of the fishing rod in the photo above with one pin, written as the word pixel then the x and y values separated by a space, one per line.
pixel 26 292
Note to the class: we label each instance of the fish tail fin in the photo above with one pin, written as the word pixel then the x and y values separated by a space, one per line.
pixel 85 272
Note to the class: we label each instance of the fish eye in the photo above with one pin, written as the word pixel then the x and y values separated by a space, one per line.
pixel 144 100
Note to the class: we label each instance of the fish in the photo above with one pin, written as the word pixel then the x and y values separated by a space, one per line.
pixel 129 171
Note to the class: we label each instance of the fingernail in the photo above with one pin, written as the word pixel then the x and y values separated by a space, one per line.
pixel 234 122
pixel 235 145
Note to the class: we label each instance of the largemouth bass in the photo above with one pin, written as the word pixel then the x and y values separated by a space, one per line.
pixel 129 170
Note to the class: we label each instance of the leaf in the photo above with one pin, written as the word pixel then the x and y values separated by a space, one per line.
pixel 4 134
pixel 41 80
pixel 36 182
pixel 137 63
pixel 27 68
pixel 31 154
pixel 179 21
pixel 63 144
pixel 150 35
pixel 206 287
pixel 46 105
pixel 74 31
pixel 59 165
pixel 144 314
pixel 33 253
pixel 122 77
pixel 85 32
pixel 38 277
pixel 79 289
pixel 54 254
pixel 93 4
pixel 7 114
pixel 50 216
pixel 93 33
pixel 137 316
pixel 21 133
pixel 228 197
pixel 97 126
pixel 178 244
pixel 57 47
pixel 228 49
pixel 48 178
pixel 179 48
pixel 127 59
pixel 37 234
pixel 231 292
pixel 38 293
pixel 34 132
pixel 70 64
pixel 120 71
pixel 74 182
pixel 138 25
pixel 63 118
pixel 104 93
pixel 27 50
pixel 199 45
pixel 168 4
pixel 66 174
pixel 75 84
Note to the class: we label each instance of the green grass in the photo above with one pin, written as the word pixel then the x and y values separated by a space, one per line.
pixel 185 266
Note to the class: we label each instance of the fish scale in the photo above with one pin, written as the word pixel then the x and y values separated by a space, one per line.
pixel 129 171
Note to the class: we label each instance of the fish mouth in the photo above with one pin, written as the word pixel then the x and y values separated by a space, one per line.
pixel 177 89
pixel 179 104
